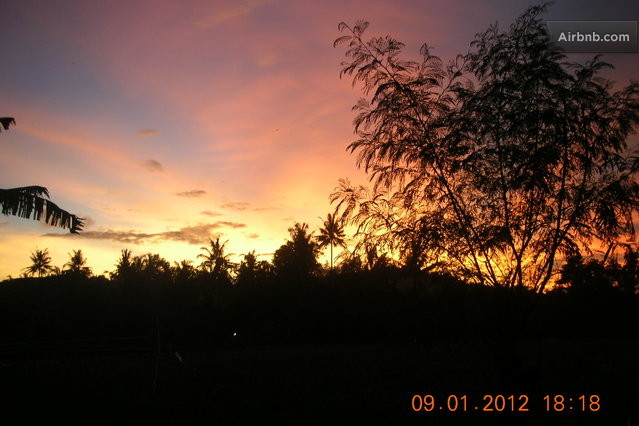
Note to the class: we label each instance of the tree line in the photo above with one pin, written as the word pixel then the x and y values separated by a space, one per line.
pixel 297 258
pixel 294 299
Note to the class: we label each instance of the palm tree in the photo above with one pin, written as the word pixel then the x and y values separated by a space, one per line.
pixel 155 267
pixel 297 258
pixel 124 267
pixel 32 202
pixel 77 264
pixel 247 269
pixel 214 260
pixel 331 234
pixel 183 271
pixel 41 263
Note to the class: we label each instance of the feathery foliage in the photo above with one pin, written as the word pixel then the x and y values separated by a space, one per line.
pixel 503 159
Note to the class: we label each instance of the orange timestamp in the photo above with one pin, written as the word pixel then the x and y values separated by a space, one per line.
pixel 506 403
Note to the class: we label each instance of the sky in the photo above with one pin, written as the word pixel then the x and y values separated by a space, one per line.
pixel 166 123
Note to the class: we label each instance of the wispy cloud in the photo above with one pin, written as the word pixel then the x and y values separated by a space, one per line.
pixel 238 206
pixel 252 236
pixel 197 234
pixel 232 11
pixel 145 133
pixel 153 166
pixel 194 193
pixel 210 213
pixel 267 59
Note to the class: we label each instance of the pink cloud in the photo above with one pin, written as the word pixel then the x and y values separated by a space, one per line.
pixel 145 133
pixel 226 12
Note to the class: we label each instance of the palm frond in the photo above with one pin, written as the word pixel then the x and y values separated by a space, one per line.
pixel 32 202
pixel 5 122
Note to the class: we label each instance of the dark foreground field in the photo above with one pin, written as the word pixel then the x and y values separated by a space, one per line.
pixel 328 384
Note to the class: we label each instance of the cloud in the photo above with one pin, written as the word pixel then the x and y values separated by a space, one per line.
pixel 153 166
pixel 238 206
pixel 194 193
pixel 197 234
pixel 266 60
pixel 231 224
pixel 223 14
pixel 129 237
pixel 145 133
pixel 210 213
pixel 252 236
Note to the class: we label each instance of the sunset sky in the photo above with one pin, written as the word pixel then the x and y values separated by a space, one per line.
pixel 164 123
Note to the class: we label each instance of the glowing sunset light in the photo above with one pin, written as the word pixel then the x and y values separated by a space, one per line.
pixel 165 124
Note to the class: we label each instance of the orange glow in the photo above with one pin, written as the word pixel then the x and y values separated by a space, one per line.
pixel 164 124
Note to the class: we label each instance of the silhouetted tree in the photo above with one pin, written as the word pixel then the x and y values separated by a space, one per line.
pixel 365 256
pixel 629 274
pixel 40 263
pixel 596 277
pixel 297 258
pixel 77 264
pixel 385 222
pixel 32 202
pixel 332 234
pixel 593 278
pixel 251 271
pixel 124 268
pixel 154 267
pixel 184 271
pixel 215 262
pixel 350 263
pixel 516 154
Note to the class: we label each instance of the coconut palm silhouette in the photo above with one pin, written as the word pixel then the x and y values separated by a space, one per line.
pixel 332 234
pixel 40 263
